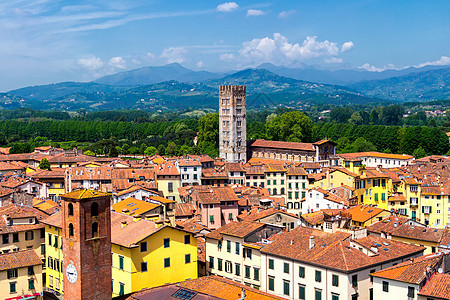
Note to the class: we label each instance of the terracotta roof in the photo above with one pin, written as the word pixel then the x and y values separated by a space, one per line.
pixel 133 188
pixel 387 224
pixel 134 231
pixel 85 194
pixel 437 287
pixel 212 173
pixel 254 169
pixel 257 215
pixel 296 170
pixel 4 166
pixel 363 213
pixel 212 195
pixel 283 145
pixel 346 256
pixel 19 259
pixel 54 173
pixel 237 229
pixel 314 218
pixel 192 225
pixel 167 168
pixel 235 167
pixel 133 206
pixel 225 288
pixel 411 271
pixel 47 206
pixel 189 162
pixel 184 209
pixel 323 142
pixel 310 165
pixel 327 195
pixel 419 233
pixel 54 220
pixel 274 167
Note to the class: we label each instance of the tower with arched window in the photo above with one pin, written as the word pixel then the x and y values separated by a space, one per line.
pixel 86 235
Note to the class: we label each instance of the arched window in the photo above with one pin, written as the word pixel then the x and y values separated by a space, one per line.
pixel 70 229
pixel 94 230
pixel 70 207
pixel 274 191
pixel 94 209
pixel 282 191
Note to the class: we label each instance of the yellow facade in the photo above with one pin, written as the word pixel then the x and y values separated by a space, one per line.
pixel 373 191
pixel 133 278
pixel 54 258
pixel 22 286
pixel 336 178
pixel 127 269
pixel 430 246
pixel 168 185
pixel 434 209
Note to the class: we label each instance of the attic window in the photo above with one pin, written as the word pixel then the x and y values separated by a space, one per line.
pixel 385 249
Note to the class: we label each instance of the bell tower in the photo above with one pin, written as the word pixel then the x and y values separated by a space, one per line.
pixel 86 234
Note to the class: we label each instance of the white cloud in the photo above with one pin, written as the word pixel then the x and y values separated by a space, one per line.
pixel 255 12
pixel 334 60
pixel 174 54
pixel 117 62
pixel 280 51
pixel 286 14
pixel 227 57
pixel 443 61
pixel 347 46
pixel 199 64
pixel 371 68
pixel 227 7
pixel 91 63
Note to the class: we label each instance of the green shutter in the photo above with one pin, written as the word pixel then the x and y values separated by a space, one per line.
pixel 271 284
pixel 301 292
pixel 301 272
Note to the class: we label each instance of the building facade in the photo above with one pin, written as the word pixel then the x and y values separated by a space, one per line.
pixel 232 123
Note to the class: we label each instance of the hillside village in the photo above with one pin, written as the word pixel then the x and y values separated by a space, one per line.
pixel 265 220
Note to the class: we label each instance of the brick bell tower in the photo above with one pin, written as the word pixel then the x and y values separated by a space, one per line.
pixel 86 234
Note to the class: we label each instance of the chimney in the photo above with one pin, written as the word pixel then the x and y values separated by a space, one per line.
pixel 136 218
pixel 311 242
pixel 123 224
pixel 292 242
pixel 243 295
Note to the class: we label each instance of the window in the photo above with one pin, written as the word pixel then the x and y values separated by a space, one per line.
pixel 385 286
pixel 230 216
pixel 286 287
pixel 355 280
pixel 70 232
pixel 187 258
pixel 318 294
pixel 334 297
pixel 238 269
pixel 301 272
pixel 228 267
pixel 12 273
pixel 143 246
pixel 271 267
pixel 256 274
pixel 12 287
pixel 335 280
pixel 143 266
pixel 30 270
pixel 372 271
pixel 211 219
pixel 286 268
pixel 16 237
pixel 167 262
pixel 411 292
pixel 318 276
pixel 122 289
pixel 271 283
pixel 211 262
pixel 170 187
pixel 229 246
pixel 247 253
pixel 219 264
pixel 301 292
pixel 94 209
pixel 70 208
pixel 120 262
pixel 167 243
pixel 94 230
pixel 247 272
pixel 31 284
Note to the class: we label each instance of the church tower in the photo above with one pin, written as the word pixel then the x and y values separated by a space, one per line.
pixel 86 235
pixel 232 123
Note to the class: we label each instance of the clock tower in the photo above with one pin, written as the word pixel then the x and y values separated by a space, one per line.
pixel 86 234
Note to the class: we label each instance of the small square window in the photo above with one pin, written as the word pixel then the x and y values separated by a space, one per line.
pixel 144 267
pixel 187 258
pixel 167 243
pixel 187 239
pixel 143 246
pixel 167 262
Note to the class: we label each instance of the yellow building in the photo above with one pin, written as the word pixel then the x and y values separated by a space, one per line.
pixel 54 179
pixel 337 177
pixel 20 275
pixel 276 179
pixel 144 254
pixel 372 188
pixel 434 206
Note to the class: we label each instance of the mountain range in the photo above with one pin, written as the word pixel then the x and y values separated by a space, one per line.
pixel 173 87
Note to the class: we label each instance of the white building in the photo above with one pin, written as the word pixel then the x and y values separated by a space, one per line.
pixel 190 171
pixel 375 159
pixel 310 264
pixel 317 199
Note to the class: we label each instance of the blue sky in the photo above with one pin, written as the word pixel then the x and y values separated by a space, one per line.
pixel 47 41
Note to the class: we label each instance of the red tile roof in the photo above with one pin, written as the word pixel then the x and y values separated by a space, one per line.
pixel 283 145
pixel 237 229
pixel 437 287
pixel 19 259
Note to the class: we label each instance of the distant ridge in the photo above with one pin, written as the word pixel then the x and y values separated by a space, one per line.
pixel 150 75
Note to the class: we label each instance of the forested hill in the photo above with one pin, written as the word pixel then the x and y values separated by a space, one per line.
pixel 264 89
pixel 423 86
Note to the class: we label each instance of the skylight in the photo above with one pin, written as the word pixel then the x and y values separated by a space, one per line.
pixel 184 294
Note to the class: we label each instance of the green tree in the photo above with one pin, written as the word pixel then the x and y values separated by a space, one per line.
pixel 44 164
pixel 356 119
pixel 89 152
pixel 392 114
pixel 113 152
pixel 341 114
pixel 150 151
pixel 171 149
pixel 293 126
pixel 161 150
pixel 208 135
pixel 419 153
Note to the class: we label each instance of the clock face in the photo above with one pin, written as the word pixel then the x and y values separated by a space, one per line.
pixel 71 272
